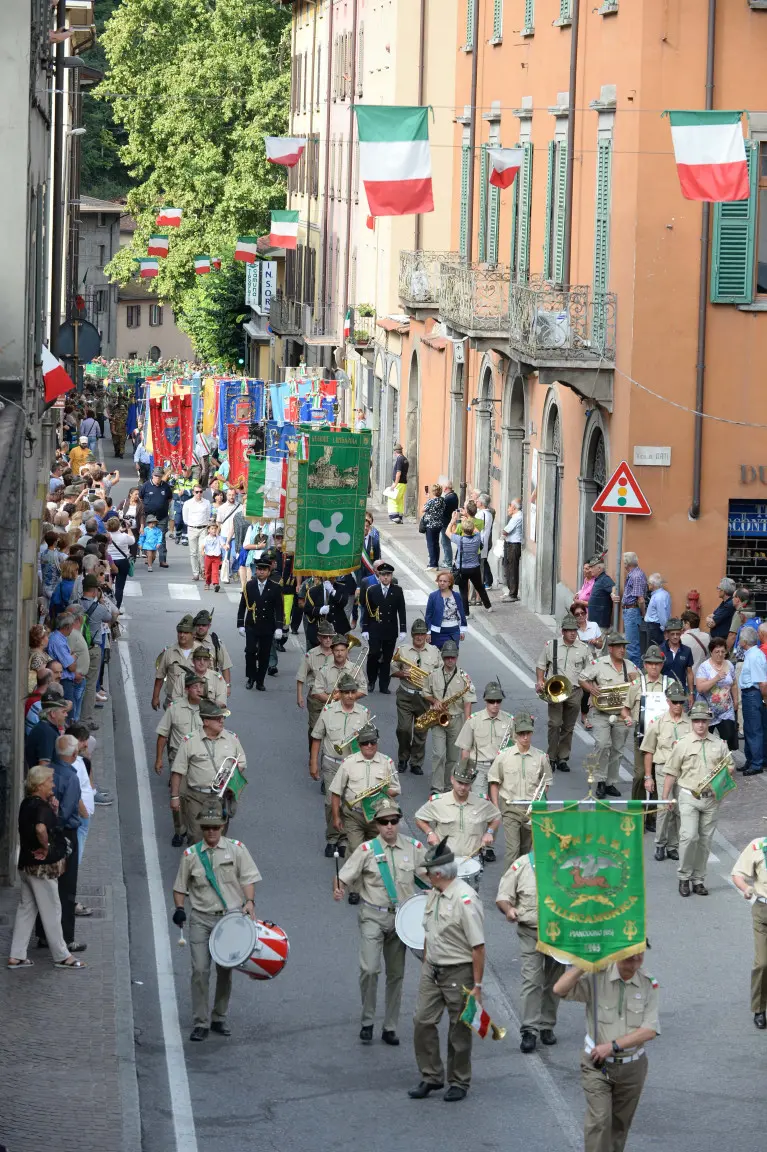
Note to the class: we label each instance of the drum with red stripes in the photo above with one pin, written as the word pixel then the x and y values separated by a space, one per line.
pixel 270 954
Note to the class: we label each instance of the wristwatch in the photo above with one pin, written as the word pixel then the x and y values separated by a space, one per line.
pixel 616 1047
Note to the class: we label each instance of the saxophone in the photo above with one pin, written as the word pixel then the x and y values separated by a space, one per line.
pixel 439 715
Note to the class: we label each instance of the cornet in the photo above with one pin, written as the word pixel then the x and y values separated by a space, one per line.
pixel 343 748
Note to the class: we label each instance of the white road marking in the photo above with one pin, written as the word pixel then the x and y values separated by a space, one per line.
pixel 132 588
pixel 233 597
pixel 178 1082
pixel 414 597
pixel 183 592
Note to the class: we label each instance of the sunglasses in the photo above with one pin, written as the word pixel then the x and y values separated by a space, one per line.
pixel 388 820
pixel 367 743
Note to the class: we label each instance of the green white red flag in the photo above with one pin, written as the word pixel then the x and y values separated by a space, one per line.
pixel 284 231
pixel 710 155
pixel 216 263
pixel 504 165
pixel 348 324
pixel 202 265
pixel 395 159
pixel 55 376
pixel 267 484
pixel 148 267
pixel 286 150
pixel 475 1017
pixel 169 218
pixel 157 246
pixel 246 249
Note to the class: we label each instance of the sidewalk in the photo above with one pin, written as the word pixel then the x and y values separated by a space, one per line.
pixel 67 1063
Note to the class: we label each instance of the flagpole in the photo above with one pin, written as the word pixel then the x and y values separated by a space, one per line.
pixel 618 562
pixel 591 802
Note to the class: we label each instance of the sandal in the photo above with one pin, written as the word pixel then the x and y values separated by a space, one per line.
pixel 587 724
pixel 70 964
pixel 20 964
pixel 81 910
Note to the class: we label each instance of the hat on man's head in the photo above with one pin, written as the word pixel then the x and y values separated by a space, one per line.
pixel 524 722
pixel 440 854
pixel 191 678
pixel 464 772
pixel 211 711
pixel 186 623
pixel 385 568
pixel 90 581
pixel 418 628
pixel 339 638
pixel 596 559
pixel 49 701
pixel 212 816
pixel 615 638
pixel 449 648
pixel 569 623
pixel 700 711
pixel 653 655
pixel 325 629
pixel 673 624
pixel 269 554
pixel 675 693
pixel 347 683
pixel 397 447
pixel 387 807
pixel 263 562
pixel 367 733
pixel 157 470
pixel 203 617
pixel 83 439
pixel 493 691
pixel 202 653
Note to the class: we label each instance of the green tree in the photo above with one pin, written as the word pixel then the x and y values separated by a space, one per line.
pixel 103 172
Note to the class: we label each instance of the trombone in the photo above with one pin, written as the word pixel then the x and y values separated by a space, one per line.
pixel 352 672
pixel 539 793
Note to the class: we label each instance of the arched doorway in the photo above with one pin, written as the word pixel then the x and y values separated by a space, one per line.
pixel 593 525
pixel 513 427
pixel 549 501
pixel 411 433
pixel 483 442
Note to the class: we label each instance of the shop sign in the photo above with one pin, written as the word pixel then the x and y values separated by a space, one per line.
pixel 748 520
pixel 651 455
pixel 751 473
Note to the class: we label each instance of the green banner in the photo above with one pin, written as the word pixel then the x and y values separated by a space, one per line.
pixel 723 782
pixel 589 872
pixel 332 495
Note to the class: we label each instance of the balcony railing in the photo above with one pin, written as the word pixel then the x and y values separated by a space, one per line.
pixel 286 316
pixel 419 277
pixel 364 331
pixel 474 298
pixel 559 325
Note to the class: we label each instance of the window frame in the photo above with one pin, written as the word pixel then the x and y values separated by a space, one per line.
pixel 133 316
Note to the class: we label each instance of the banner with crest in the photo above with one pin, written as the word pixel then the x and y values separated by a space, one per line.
pixel 332 496
pixel 172 432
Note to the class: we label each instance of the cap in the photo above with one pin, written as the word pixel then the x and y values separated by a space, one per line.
pixel 653 655
pixel 203 617
pixel 449 648
pixel 191 678
pixel 48 703
pixel 439 855
pixel 325 629
pixel 397 447
pixel 83 439
pixel 151 519
pixel 339 638
pixel 185 624
pixel 464 772
pixel 347 683
pixel 673 624
pixel 157 470
pixel 269 554
pixel 523 722
pixel 209 710
pixel 90 581
pixel 201 652
pixel 388 808
pixel 493 691
pixel 615 638
pixel 385 568
pixel 263 562
pixel 596 559
pixel 211 817
pixel 676 693
pixel 569 623
pixel 700 711
pixel 418 628
pixel 367 733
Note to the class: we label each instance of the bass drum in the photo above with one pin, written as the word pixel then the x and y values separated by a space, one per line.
pixel 408 923
pixel 270 954
pixel 232 940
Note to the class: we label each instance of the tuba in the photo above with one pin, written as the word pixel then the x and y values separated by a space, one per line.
pixel 556 689
pixel 417 676
pixel 612 698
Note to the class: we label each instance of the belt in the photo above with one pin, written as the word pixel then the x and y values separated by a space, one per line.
pixel 205 791
pixel 478 762
pixel 624 1059
pixel 380 907
pixel 437 968
pixel 410 691
pixel 706 794
pixel 332 759
pixel 760 899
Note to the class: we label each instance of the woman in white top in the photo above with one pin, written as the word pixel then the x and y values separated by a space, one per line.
pixel 225 514
pixel 590 633
pixel 119 545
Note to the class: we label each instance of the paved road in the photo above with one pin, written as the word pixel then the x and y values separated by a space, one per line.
pixel 293 1075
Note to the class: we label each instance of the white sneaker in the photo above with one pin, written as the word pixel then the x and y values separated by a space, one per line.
pixel 490 609
pixel 505 595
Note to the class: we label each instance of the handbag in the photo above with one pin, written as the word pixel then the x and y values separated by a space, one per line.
pixel 422 525
pixel 498 549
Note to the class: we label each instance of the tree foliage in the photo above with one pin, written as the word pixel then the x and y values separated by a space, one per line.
pixel 103 172
pixel 197 84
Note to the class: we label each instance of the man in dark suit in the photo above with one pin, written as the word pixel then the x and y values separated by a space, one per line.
pixel 383 621
pixel 260 619
pixel 326 601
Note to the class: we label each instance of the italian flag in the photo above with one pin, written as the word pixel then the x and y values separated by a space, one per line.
pixel 710 155
pixel 202 265
pixel 475 1017
pixel 169 218
pixel 395 161
pixel 55 376
pixel 284 233
pixel 348 324
pixel 157 246
pixel 285 150
pixel 246 249
pixel 504 165
pixel 148 267
pixel 267 485
pixel 216 263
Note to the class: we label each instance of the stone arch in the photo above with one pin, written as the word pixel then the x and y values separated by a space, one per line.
pixel 513 433
pixel 593 526
pixel 549 504
pixel 484 430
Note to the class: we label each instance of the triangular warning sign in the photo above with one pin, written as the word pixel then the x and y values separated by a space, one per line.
pixel 621 493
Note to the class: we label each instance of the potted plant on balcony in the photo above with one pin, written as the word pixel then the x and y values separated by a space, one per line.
pixel 365 310
pixel 360 336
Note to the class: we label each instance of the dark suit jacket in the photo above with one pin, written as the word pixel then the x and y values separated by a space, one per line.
pixel 337 601
pixel 266 610
pixel 383 614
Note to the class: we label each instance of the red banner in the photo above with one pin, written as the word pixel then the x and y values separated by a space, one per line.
pixel 172 433
pixel 240 446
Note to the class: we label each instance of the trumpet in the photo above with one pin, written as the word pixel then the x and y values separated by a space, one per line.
pixel 352 672
pixel 539 793
pixel 344 747
pixel 612 698
pixel 439 715
pixel 556 689
pixel 368 800
pixel 225 775
pixel 417 676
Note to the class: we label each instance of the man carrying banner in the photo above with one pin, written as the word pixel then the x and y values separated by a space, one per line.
pixel 750 876
pixel 518 775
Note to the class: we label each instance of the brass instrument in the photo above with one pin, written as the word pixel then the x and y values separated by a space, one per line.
pixel 344 748
pixel 556 689
pixel 539 794
pixel 507 737
pixel 612 698
pixel 417 676
pixel 726 762
pixel 352 672
pixel 354 641
pixel 439 714
pixel 368 800
pixel 228 778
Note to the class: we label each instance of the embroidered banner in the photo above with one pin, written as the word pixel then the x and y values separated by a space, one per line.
pixel 332 494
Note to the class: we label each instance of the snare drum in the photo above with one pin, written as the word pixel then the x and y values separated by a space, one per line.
pixel 470 870
pixel 270 954
pixel 233 939
pixel 408 923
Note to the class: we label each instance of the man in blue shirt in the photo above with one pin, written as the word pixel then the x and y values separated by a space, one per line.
pixel 60 650
pixel 66 789
pixel 633 603
pixel 142 458
pixel 753 691
pixel 40 744
pixel 600 600
pixel 679 658
pixel 157 496
pixel 719 620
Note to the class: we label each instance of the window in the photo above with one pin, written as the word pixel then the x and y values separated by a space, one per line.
pixel 513 254
pixel 556 185
pixel 134 315
pixel 565 12
pixel 489 204
pixel 155 315
pixel 529 25
pixel 498 21
pixel 319 72
pixel 739 247
pixel 525 180
pixel 470 23
pixel 464 218
pixel 306 77
pixel 102 255
pixel 100 300
pixel 360 58
pixel 601 240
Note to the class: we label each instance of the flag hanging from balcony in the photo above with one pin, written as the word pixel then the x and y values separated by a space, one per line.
pixel 710 155
pixel 286 150
pixel 348 324
pixel 504 165
pixel 55 377
pixel 246 249
pixel 169 218
pixel 284 233
pixel 202 265
pixel 148 267
pixel 395 160
pixel 157 246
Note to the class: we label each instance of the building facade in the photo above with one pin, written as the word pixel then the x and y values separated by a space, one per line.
pixel 99 239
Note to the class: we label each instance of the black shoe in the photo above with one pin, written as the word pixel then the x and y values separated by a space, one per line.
pixel 650 827
pixel 178 840
pixel 389 1036
pixel 387 692
pixel 402 765
pixel 760 1019
pixel 563 766
pixel 455 1093
pixel 672 853
pixel 199 1033
pixel 684 887
pixel 341 850
pixel 753 771
pixel 547 1037
pixel 272 671
pixel 330 850
pixel 601 790
pixel 221 1027
pixel 700 889
pixel 354 898
pixel 423 1090
pixel 528 1041
pixel 371 687
pixel 416 770
pixel 743 768
pixel 260 688
pixel 163 565
pixel 489 855
pixel 366 1034
pixel 660 852
pixel 611 790
pixel 249 684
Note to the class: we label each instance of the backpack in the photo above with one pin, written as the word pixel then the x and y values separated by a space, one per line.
pixel 86 630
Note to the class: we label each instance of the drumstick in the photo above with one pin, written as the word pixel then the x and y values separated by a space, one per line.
pixel 181 940
pixel 336 858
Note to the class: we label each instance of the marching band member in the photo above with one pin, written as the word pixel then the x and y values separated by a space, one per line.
pixel 518 773
pixel 610 731
pixel 173 663
pixel 218 875
pixel 480 739
pixel 337 724
pixel 325 600
pixel 383 621
pixel 384 869
pixel 750 876
pixel 662 734
pixel 178 721
pixel 196 763
pixel 444 683
pixel 326 679
pixel 313 662
pixel 645 700
pixel 411 742
pixel 222 661
pixel 467 820
pixel 215 685
pixel 567 657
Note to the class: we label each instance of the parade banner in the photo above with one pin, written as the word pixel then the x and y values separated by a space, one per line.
pixel 239 402
pixel 332 495
pixel 291 506
pixel 172 435
pixel 242 443
pixel 589 872
pixel 267 482
pixel 209 404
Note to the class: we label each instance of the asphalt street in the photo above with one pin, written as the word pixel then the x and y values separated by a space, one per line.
pixel 294 1075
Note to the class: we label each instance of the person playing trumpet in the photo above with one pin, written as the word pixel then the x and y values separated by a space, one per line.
pixel 469 822
pixel 449 690
pixel 336 727
pixel 614 672
pixel 562 660
pixel 412 666
pixel 197 761
pixel 481 738
pixel 312 662
pixel 519 774
pixel 326 680
pixel 661 737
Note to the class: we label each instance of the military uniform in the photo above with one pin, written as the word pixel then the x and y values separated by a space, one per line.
pixel 172 665
pixel 660 739
pixel 233 867
pixel 221 661
pixel 519 776
pixel 326 678
pixel 539 971
pixel 463 824
pixel 481 735
pixel 376 918
pixel 179 720
pixel 610 736
pixel 215 687
pixel 691 763
pixel 645 700
pixel 752 866
pixel 441 685
pixel 357 774
pixel 335 726
pixel 198 759
pixel 312 662
pixel 613 1090
pixel 570 660
pixel 411 744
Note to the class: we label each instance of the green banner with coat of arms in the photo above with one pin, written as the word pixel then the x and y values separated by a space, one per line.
pixel 332 495
pixel 589 873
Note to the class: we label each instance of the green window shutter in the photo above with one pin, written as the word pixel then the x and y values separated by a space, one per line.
pixel 734 242
pixel 549 211
pixel 482 246
pixel 497 19
pixel 470 23
pixel 525 198
pixel 529 16
pixel 464 217
pixel 514 214
pixel 564 10
pixel 601 239
pixel 558 270
pixel 494 209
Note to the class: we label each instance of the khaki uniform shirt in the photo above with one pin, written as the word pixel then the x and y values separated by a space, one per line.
pixel 327 678
pixel 519 774
pixel 312 662
pixel 172 666
pixel 463 824
pixel 199 757
pixel 752 866
pixel 357 774
pixel 179 720
pixel 405 857
pixel 572 659
pixel 224 659
pixel 663 734
pixel 215 687
pixel 694 759
pixel 427 658
pixel 453 922
pixel 655 688
pixel 482 735
pixel 334 726
pixel 621 1006
pixel 233 867
pixel 518 887
pixel 442 685
pixel 602 673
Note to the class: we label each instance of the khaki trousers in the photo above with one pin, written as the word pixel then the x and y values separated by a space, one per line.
pixel 759 971
pixel 697 826
pixel 192 806
pixel 610 740
pixel 539 975
pixel 667 820
pixel 356 828
pixel 38 895
pixel 638 789
pixel 378 938
pixel 480 786
pixel 314 708
pixel 411 744
pixel 562 718
pixel 612 1095
pixel 445 755
pixel 517 834
pixel 201 924
pixel 442 988
pixel 329 769
pixel 177 814
pixel 196 539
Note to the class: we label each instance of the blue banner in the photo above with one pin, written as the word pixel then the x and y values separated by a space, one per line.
pixel 239 402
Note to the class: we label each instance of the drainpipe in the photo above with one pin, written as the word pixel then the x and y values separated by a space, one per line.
pixel 57 239
pixel 421 92
pixel 350 163
pixel 470 235
pixel 325 199
pixel 571 140
pixel 705 232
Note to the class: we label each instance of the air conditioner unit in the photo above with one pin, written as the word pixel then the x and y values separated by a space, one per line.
pixel 551 329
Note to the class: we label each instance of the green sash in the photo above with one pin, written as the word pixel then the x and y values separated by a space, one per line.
pixel 764 851
pixel 385 870
pixel 210 875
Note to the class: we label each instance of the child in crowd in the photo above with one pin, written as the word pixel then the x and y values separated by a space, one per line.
pixel 150 539
pixel 213 550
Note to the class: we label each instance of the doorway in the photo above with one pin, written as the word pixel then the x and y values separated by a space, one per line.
pixel 483 441
pixel 411 434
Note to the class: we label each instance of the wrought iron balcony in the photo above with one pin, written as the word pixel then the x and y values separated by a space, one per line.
pixel 552 326
pixel 419 274
pixel 474 298
pixel 286 316
pixel 364 332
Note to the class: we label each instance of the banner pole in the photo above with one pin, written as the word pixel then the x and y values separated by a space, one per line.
pixel 591 801
pixel 595 1006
